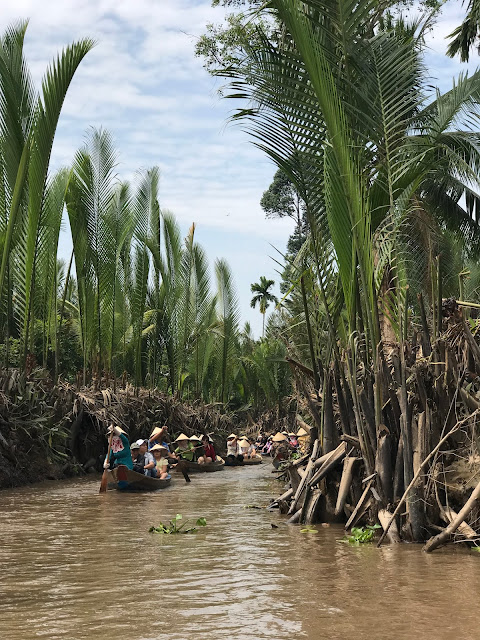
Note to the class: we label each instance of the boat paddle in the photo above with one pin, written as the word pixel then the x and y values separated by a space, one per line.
pixel 182 467
pixel 104 482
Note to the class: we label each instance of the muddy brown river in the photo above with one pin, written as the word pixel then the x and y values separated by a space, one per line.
pixel 78 565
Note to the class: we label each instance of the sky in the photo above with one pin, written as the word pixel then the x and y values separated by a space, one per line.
pixel 143 83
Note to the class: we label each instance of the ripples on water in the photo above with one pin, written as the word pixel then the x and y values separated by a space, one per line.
pixel 82 566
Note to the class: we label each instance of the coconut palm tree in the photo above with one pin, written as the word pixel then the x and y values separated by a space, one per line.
pixel 262 297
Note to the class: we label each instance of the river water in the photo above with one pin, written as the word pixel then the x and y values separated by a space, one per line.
pixel 79 565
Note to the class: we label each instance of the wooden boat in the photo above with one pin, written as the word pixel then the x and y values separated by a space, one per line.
pixel 124 479
pixel 203 468
pixel 238 463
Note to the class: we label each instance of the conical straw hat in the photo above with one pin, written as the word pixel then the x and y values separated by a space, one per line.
pixel 182 436
pixel 301 433
pixel 195 438
pixel 120 429
pixel 279 437
pixel 158 447
pixel 155 432
pixel 244 443
pixel 291 434
pixel 232 435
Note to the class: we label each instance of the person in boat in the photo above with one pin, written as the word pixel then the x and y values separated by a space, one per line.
pixel 161 461
pixel 233 454
pixel 281 448
pixel 159 435
pixel 149 460
pixel 246 448
pixel 292 438
pixel 261 441
pixel 197 447
pixel 267 447
pixel 185 448
pixel 209 454
pixel 138 459
pixel 120 450
pixel 303 437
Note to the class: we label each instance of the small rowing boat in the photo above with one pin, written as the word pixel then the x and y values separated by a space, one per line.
pixel 203 468
pixel 236 462
pixel 124 479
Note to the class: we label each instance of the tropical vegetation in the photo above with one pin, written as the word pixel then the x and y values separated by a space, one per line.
pixel 135 301
pixel 386 171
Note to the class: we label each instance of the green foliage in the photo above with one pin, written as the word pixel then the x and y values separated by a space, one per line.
pixel 308 529
pixel 465 36
pixel 263 297
pixel 360 535
pixel 31 202
pixel 173 527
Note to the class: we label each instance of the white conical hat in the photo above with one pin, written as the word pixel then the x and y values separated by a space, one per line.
pixel 182 436
pixel 279 437
pixel 301 433
pixel 232 435
pixel 158 447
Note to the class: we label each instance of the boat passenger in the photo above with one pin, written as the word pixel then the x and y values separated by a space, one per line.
pixel 252 450
pixel 185 449
pixel 149 464
pixel 303 440
pixel 292 438
pixel 161 461
pixel 233 454
pixel 243 447
pixel 281 448
pixel 197 447
pixel 159 435
pixel 138 460
pixel 209 451
pixel 120 451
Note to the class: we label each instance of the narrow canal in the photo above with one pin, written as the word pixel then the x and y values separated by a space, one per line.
pixel 78 565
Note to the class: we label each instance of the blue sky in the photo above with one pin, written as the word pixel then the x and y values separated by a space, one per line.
pixel 143 83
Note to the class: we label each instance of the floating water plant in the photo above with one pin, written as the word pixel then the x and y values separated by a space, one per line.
pixel 173 526
pixel 360 535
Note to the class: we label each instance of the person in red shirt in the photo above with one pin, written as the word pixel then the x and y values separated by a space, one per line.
pixel 209 451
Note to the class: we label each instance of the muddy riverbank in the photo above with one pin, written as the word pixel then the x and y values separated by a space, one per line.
pixel 78 565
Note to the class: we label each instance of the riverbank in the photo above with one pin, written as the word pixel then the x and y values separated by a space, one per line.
pixel 52 431
pixel 236 579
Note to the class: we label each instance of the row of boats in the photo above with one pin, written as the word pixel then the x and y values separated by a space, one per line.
pixel 124 479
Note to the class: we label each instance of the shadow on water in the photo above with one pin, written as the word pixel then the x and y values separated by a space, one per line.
pixel 81 566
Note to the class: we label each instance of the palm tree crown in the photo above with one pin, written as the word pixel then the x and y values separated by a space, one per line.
pixel 263 297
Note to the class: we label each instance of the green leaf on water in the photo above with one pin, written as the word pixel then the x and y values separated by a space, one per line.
pixel 308 530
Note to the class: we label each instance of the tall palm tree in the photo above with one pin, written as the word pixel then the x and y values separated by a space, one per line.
pixel 28 121
pixel 262 297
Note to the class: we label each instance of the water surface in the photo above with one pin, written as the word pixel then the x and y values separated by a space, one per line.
pixel 78 565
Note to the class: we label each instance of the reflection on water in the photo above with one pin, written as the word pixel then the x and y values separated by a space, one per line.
pixel 82 566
